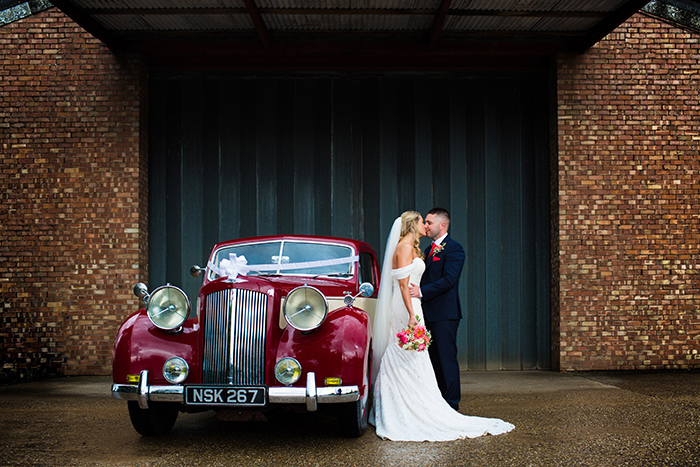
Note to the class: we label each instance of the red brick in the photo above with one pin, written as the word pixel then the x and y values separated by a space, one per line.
pixel 628 265
pixel 62 150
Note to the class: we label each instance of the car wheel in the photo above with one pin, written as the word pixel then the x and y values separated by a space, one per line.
pixel 155 420
pixel 354 416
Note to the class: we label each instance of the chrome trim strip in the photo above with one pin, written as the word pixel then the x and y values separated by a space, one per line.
pixel 276 395
pixel 329 395
pixel 234 338
pixel 130 392
pixel 338 394
pixel 287 395
pixel 167 393
pixel 216 329
pixel 311 395
pixel 142 392
pixel 125 392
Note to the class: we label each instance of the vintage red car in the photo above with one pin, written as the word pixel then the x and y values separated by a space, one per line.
pixel 282 321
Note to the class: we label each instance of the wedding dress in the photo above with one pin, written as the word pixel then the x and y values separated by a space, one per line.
pixel 408 405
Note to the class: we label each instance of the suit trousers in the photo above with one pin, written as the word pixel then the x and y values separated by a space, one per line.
pixel 443 356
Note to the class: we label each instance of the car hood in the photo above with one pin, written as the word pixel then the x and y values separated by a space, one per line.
pixel 333 287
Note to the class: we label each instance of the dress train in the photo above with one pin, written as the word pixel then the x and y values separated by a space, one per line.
pixel 408 405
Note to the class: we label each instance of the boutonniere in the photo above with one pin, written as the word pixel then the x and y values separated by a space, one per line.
pixel 439 248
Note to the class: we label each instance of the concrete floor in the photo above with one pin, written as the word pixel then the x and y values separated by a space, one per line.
pixel 582 419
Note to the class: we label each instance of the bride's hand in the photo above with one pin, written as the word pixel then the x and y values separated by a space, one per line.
pixel 412 321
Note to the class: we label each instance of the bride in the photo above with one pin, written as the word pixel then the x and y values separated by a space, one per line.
pixel 408 405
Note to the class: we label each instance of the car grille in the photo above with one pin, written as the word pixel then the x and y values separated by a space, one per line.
pixel 234 338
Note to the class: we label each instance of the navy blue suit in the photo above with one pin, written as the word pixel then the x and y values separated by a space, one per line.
pixel 442 311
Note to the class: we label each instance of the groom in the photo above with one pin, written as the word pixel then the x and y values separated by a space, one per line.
pixel 444 260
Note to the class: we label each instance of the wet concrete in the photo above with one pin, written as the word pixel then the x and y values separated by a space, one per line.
pixel 583 419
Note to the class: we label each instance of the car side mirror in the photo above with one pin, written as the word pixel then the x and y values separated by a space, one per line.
pixel 366 289
pixel 195 271
pixel 141 291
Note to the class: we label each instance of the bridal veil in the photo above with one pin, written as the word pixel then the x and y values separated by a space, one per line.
pixel 381 327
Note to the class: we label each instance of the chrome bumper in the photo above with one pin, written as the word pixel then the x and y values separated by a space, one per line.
pixel 311 395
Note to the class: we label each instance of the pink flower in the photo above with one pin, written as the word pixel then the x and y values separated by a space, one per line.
pixel 414 338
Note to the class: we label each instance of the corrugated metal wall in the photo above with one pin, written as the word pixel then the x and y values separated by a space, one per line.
pixel 234 157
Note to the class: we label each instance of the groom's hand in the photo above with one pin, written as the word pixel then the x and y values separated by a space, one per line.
pixel 415 290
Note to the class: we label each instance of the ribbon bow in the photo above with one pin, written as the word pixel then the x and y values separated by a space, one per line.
pixel 231 267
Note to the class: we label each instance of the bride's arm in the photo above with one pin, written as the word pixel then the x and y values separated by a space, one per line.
pixel 404 257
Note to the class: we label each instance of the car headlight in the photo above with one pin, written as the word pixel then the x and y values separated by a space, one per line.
pixel 287 371
pixel 168 307
pixel 176 370
pixel 305 308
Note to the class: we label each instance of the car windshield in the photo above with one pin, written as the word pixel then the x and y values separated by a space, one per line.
pixel 288 258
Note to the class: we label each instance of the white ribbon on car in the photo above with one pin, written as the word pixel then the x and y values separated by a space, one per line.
pixel 238 265
pixel 231 267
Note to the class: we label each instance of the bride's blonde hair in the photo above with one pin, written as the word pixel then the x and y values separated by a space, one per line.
pixel 409 223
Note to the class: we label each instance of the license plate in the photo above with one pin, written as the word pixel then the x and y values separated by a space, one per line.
pixel 225 395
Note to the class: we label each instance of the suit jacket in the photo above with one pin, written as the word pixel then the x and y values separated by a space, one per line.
pixel 440 282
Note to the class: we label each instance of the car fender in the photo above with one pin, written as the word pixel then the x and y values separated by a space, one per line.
pixel 140 345
pixel 339 348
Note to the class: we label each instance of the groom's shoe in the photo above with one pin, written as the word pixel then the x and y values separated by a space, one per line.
pixel 455 406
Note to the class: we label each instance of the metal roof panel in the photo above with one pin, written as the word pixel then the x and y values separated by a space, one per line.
pixel 286 22
pixel 350 4
pixel 564 24
pixel 397 25
pixel 176 23
pixel 538 5
pixel 154 4
pixel 489 23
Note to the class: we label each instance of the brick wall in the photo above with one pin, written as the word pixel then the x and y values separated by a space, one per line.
pixel 629 200
pixel 73 199
pixel 73 194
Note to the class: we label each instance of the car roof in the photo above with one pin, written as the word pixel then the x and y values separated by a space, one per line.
pixel 313 238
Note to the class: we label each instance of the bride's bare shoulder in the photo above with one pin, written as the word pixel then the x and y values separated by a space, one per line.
pixel 403 254
pixel 404 248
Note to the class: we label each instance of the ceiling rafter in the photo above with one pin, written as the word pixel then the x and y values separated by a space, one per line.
pixel 89 23
pixel 608 24
pixel 283 31
pixel 260 27
pixel 438 22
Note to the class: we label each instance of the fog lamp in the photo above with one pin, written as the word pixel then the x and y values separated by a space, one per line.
pixel 133 379
pixel 176 370
pixel 287 371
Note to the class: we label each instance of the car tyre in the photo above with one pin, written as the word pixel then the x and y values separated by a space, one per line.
pixel 355 415
pixel 156 420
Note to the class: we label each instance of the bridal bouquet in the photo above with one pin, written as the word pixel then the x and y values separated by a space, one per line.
pixel 414 338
